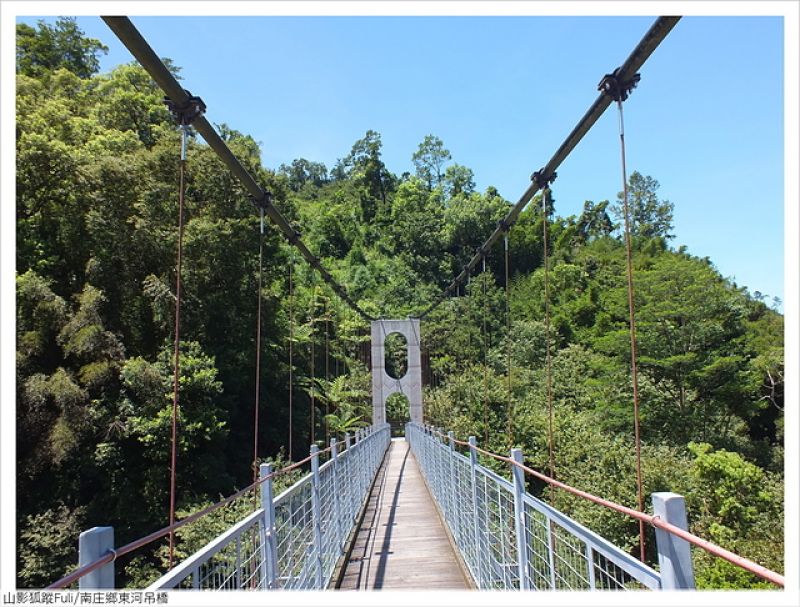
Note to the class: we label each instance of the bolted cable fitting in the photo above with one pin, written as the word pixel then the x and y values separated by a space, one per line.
pixel 615 88
pixel 541 180
pixel 295 236
pixel 186 113
pixel 264 202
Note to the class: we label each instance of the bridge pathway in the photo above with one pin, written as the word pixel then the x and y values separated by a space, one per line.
pixel 402 543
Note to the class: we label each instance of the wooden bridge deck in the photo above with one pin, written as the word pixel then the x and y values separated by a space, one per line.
pixel 402 543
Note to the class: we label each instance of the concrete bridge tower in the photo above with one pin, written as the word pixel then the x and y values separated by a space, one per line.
pixel 383 385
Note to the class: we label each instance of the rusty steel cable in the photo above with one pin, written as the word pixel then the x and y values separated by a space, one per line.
pixel 509 408
pixel 177 346
pixel 291 347
pixel 313 363
pixel 258 346
pixel 642 517
pixel 548 357
pixel 485 360
pixel 632 324
pixel 327 373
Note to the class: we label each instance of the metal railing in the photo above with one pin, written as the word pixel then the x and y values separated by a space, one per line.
pixel 511 540
pixel 293 541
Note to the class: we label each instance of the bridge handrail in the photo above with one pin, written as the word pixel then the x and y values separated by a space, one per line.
pixel 113 554
pixel 654 520
pixel 186 567
pixel 633 566
pixel 512 540
pixel 646 575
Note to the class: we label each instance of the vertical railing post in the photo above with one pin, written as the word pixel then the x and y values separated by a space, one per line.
pixel 590 566
pixel 317 511
pixel 357 458
pixel 440 458
pixel 237 571
pixel 269 547
pixel 477 552
pixel 436 452
pixel 551 557
pixel 92 544
pixel 337 508
pixel 351 510
pixel 368 440
pixel 451 485
pixel 674 554
pixel 363 454
pixel 519 519
pixel 433 454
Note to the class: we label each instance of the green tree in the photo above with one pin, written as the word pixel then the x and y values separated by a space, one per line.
pixel 49 47
pixel 364 166
pixel 429 160
pixel 650 217
pixel 594 221
pixel 415 231
pixel 458 179
pixel 302 171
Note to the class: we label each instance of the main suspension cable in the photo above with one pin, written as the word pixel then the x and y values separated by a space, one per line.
pixel 649 42
pixel 150 61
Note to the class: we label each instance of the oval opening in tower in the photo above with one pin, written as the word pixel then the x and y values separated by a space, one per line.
pixel 395 354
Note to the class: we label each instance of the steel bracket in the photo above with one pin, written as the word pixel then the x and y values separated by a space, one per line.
pixel 615 88
pixel 188 112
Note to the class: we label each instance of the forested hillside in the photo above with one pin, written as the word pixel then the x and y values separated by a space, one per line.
pixel 97 205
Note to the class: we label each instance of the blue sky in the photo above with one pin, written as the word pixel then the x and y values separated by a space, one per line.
pixel 503 92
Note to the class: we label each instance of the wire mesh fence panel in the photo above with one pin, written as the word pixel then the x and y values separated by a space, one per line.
pixel 539 547
pixel 237 559
pixel 610 576
pixel 464 527
pixel 232 560
pixel 294 534
pixel 570 567
pixel 327 522
pixel 557 552
pixel 496 533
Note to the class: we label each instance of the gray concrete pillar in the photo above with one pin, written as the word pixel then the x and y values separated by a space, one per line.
pixel 674 554
pixel 383 385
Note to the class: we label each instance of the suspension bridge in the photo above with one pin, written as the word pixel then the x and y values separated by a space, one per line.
pixel 427 510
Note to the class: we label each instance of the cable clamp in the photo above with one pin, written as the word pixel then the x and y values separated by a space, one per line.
pixel 295 236
pixel 264 202
pixel 542 180
pixel 615 88
pixel 187 112
pixel 503 225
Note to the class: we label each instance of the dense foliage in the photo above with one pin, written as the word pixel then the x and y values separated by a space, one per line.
pixel 97 158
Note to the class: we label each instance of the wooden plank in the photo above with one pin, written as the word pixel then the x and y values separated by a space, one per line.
pixel 402 543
